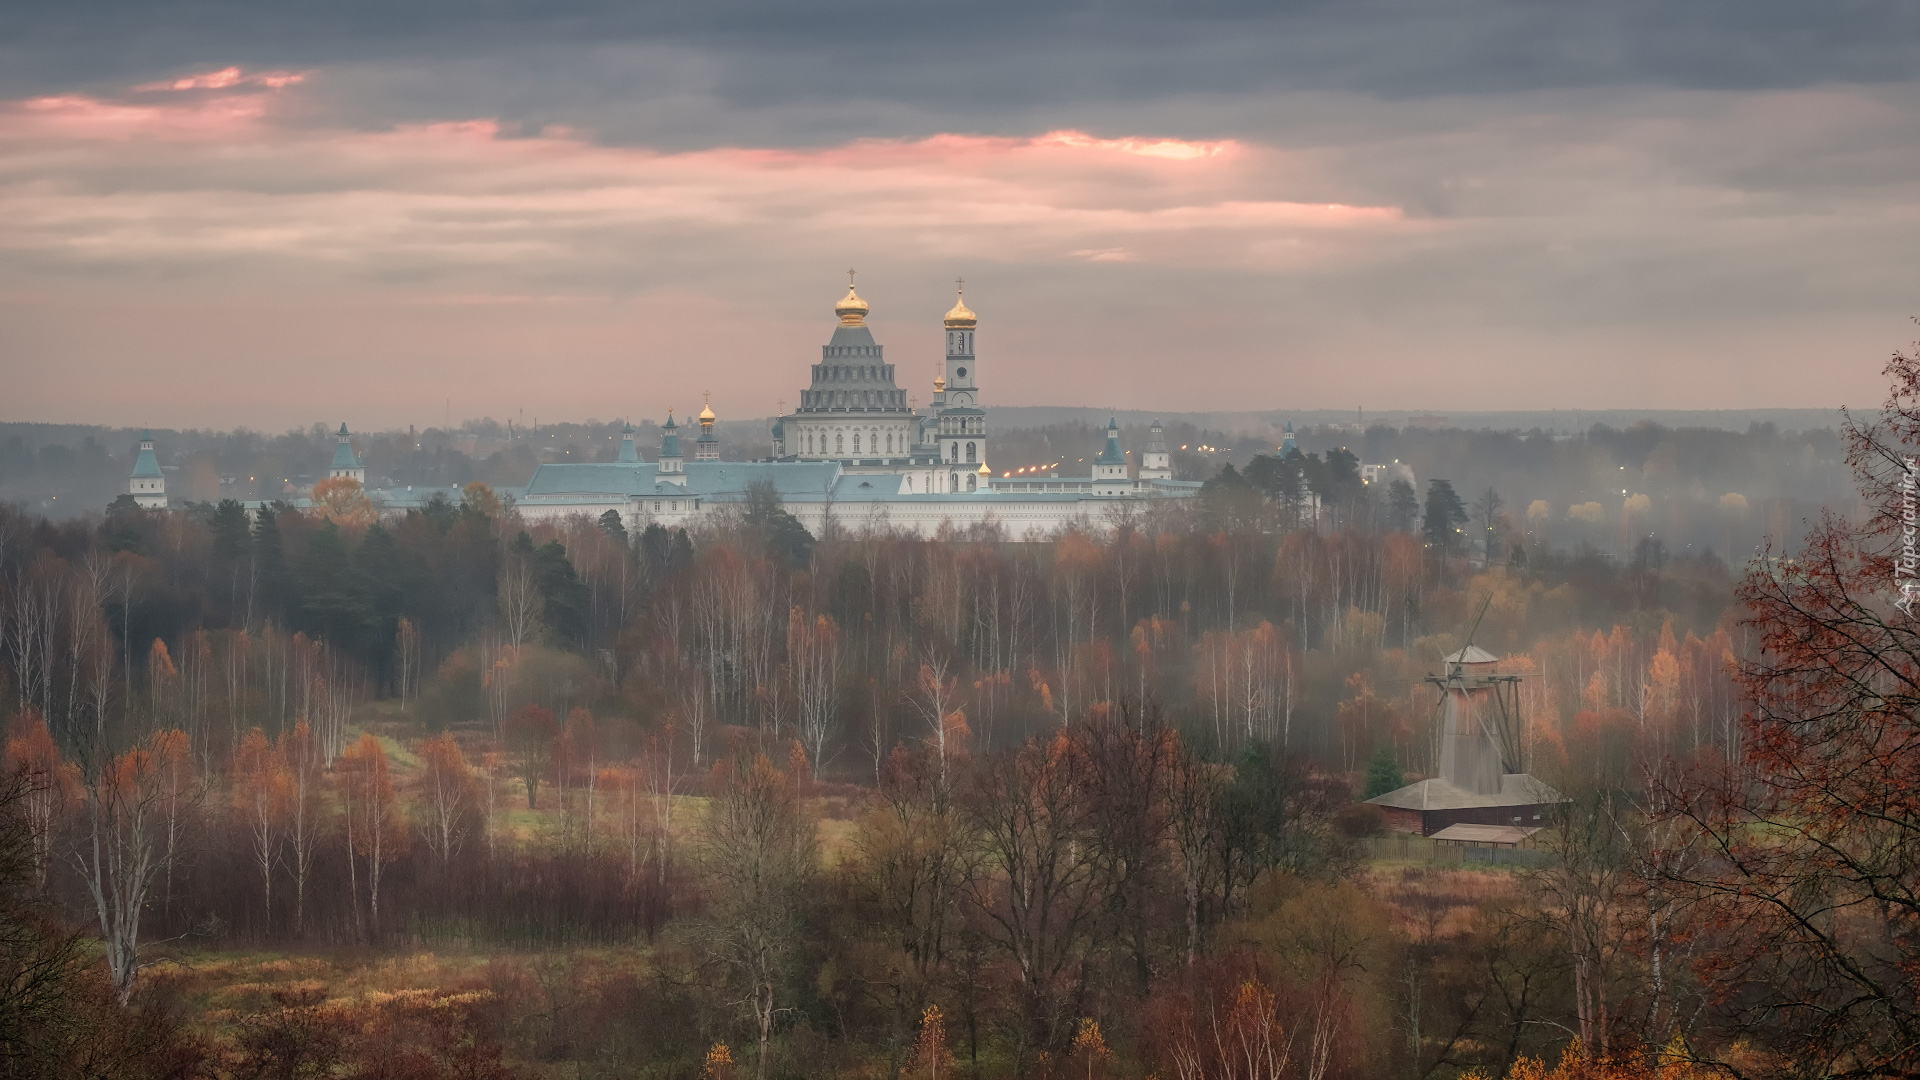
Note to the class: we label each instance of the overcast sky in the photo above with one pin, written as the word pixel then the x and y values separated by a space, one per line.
pixel 265 214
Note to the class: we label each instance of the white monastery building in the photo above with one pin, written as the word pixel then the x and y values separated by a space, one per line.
pixel 856 451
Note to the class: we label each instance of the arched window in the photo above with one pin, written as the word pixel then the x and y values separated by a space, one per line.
pixel 969 453
pixel 856 445
pixel 839 443
pixel 970 482
pixel 953 482
pixel 889 442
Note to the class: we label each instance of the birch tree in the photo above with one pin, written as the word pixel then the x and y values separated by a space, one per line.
pixel 813 651
pixel 261 793
pixel 376 831
pixel 120 854
pixel 305 768
pixel 446 797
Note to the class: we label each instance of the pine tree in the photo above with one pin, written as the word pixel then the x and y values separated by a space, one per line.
pixel 1445 514
pixel 1383 772
pixel 1403 506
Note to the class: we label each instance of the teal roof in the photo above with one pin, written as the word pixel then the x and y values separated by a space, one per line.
pixel 343 455
pixel 589 484
pixel 414 497
pixel 146 466
pixel 1111 454
pixel 628 455
pixel 398 498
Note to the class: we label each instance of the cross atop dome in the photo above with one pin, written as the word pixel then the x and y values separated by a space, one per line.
pixel 961 317
pixel 851 309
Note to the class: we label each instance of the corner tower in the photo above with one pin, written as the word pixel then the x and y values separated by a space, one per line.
pixel 147 484
pixel 1156 463
pixel 670 461
pixel 1110 468
pixel 345 462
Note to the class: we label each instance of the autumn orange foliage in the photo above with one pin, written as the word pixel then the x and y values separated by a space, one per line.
pixel 341 500
pixel 930 1051
pixel 53 785
pixel 1576 1064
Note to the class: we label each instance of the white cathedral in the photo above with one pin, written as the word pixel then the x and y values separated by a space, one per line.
pixel 856 451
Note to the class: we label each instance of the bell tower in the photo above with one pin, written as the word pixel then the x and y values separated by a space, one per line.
pixel 963 387
pixel 962 436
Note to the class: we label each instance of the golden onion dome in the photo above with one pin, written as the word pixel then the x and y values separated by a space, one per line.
pixel 984 471
pixel 851 309
pixel 961 317
pixel 939 384
pixel 706 414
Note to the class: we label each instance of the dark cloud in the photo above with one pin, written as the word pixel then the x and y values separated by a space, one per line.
pixel 854 64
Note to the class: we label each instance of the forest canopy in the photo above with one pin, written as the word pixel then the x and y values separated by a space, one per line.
pixel 324 790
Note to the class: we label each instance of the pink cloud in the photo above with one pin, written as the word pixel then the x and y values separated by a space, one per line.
pixel 1174 149
pixel 209 247
pixel 225 78
pixel 216 175
pixel 71 120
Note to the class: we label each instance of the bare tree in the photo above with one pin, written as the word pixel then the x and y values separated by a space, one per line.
pixel 760 851
pixel 662 783
pixel 447 796
pixel 376 831
pixel 119 855
pixel 32 622
pixel 260 793
pixel 406 656
pixel 936 696
pixel 813 652
pixel 305 767
pixel 519 599
pixel 916 852
pixel 1584 893
pixel 1042 896
pixel 1192 794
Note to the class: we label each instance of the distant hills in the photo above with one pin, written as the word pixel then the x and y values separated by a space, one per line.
pixel 1551 420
